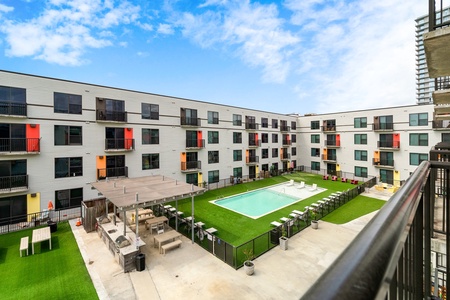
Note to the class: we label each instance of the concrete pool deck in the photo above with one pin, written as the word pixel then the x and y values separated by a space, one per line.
pixel 192 272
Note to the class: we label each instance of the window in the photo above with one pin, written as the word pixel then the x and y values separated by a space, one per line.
pixel 237 155
pixel 150 136
pixel 67 103
pixel 361 139
pixel 315 138
pixel 13 101
pixel 293 125
pixel 418 139
pixel 68 167
pixel 13 174
pixel 274 152
pixel 192 178
pixel 15 206
pixel 265 153
pixel 360 122
pixel 315 166
pixel 213 117
pixel 264 137
pixel 387 176
pixel 150 111
pixel 237 172
pixel 111 110
pixel 68 135
pixel 361 171
pixel 315 124
pixel 264 122
pixel 213 137
pixel 13 138
pixel 274 123
pixel 420 119
pixel 115 138
pixel 315 152
pixel 150 161
pixel 237 137
pixel 237 120
pixel 213 157
pixel 213 176
pixel 274 137
pixel 294 151
pixel 68 198
pixel 361 155
pixel 293 138
pixel 189 117
pixel 416 158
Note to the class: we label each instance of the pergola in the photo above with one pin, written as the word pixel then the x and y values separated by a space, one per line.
pixel 130 194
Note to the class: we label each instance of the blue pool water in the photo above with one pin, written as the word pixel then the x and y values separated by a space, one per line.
pixel 257 203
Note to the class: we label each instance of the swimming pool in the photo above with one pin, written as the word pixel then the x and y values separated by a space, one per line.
pixel 257 203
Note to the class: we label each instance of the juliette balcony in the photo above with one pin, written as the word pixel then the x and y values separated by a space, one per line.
pixel 190 122
pixel 286 142
pixel 395 145
pixel 383 163
pixel 112 172
pixel 195 144
pixel 329 157
pixel 329 128
pixel 285 128
pixel 111 116
pixel 383 126
pixel 332 143
pixel 190 166
pixel 252 159
pixel 117 145
pixel 251 126
pixel 254 143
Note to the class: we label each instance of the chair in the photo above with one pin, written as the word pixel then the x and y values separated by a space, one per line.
pixel 314 187
pixel 325 177
pixel 302 185
pixel 344 179
pixel 160 228
pixel 334 178
pixel 291 182
pixel 154 227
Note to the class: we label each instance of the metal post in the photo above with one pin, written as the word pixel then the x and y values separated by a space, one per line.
pixel 192 220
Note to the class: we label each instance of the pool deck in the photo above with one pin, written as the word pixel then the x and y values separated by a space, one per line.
pixel 190 272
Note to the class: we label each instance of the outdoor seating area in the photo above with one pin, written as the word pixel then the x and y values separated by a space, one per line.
pixel 40 235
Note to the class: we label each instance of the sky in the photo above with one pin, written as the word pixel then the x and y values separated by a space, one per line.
pixel 292 56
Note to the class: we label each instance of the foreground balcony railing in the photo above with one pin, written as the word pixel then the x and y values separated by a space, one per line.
pixel 188 121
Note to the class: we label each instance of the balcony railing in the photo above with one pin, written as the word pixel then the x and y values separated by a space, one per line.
pixel 111 116
pixel 251 126
pixel 382 162
pixel 254 143
pixel 442 83
pixel 13 109
pixel 191 165
pixel 441 124
pixel 329 157
pixel 188 121
pixel 119 144
pixel 25 145
pixel 332 143
pixel 328 128
pixel 252 159
pixel 285 156
pixel 284 128
pixel 389 144
pixel 286 142
pixel 112 172
pixel 383 126
pixel 13 183
pixel 195 143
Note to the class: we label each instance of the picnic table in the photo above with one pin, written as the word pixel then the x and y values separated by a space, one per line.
pixel 157 220
pixel 166 236
pixel 39 235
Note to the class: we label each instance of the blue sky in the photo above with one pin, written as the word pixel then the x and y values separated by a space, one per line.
pixel 292 56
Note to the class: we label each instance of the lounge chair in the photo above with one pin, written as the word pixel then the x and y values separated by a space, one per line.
pixel 314 187
pixel 334 178
pixel 344 179
pixel 302 185
pixel 325 177
pixel 291 182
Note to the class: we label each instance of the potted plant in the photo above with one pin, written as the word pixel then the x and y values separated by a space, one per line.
pixel 249 266
pixel 314 221
pixel 283 239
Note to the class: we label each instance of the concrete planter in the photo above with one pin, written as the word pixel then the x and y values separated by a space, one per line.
pixel 284 243
pixel 249 267
pixel 315 224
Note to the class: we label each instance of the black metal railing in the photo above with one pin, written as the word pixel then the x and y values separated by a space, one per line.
pixel 29 145
pixel 389 144
pixel 254 143
pixel 328 128
pixel 112 172
pixel 442 83
pixel 195 143
pixel 188 121
pixel 191 165
pixel 119 144
pixel 111 115
pixel 252 126
pixel 12 183
pixel 332 143
pixel 286 142
pixel 285 156
pixel 382 162
pixel 436 14
pixel 329 157
pixel 252 159
pixel 441 124
pixel 383 126
pixel 285 128
pixel 13 109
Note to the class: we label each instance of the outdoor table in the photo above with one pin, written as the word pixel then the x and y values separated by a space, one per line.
pixel 199 224
pixel 157 220
pixel 145 212
pixel 167 236
pixel 211 230
pixel 39 235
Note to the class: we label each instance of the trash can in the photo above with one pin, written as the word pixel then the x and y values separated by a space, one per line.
pixel 53 226
pixel 140 262
pixel 275 236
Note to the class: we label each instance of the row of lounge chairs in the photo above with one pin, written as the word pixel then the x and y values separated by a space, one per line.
pixel 343 179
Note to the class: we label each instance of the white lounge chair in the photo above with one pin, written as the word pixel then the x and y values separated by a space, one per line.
pixel 291 182
pixel 302 185
pixel 314 187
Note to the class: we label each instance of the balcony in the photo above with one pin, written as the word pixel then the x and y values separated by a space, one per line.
pixel 195 144
pixel 286 142
pixel 254 143
pixel 332 144
pixel 251 126
pixel 111 116
pixel 12 184
pixel 329 157
pixel 394 145
pixel 119 145
pixel 383 126
pixel 190 122
pixel 441 124
pixel 441 98
pixel 20 146
pixel 329 128
pixel 12 109
pixel 383 163
pixel 436 50
pixel 191 166
pixel 112 172
pixel 250 160
pixel 285 156
pixel 284 128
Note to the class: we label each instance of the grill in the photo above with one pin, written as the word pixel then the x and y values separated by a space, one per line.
pixel 103 219
pixel 121 241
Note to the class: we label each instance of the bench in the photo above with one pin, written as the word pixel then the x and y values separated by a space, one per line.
pixel 174 244
pixel 23 245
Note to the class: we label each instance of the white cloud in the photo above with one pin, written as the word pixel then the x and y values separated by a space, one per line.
pixel 5 8
pixel 165 29
pixel 66 29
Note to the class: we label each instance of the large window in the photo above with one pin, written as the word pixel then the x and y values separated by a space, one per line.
pixel 150 161
pixel 265 122
pixel 213 137
pixel 264 137
pixel 150 111
pixel 274 152
pixel 15 206
pixel 315 124
pixel 68 198
pixel 361 139
pixel 213 117
pixel 293 125
pixel 360 122
pixel 416 158
pixel 265 153
pixel 315 152
pixel 293 138
pixel 67 103
pixel 68 135
pixel 315 138
pixel 13 101
pixel 274 137
pixel 361 171
pixel 237 172
pixel 237 155
pixel 294 151
pixel 387 176
pixel 13 174
pixel 213 176
pixel 213 157
pixel 237 137
pixel 418 139
pixel 420 119
pixel 315 166
pixel 150 136
pixel 361 155
pixel 274 123
pixel 68 167
pixel 237 120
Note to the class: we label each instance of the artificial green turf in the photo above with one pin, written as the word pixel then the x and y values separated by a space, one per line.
pixel 59 273
pixel 237 229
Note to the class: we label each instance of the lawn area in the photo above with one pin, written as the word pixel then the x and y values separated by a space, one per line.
pixel 354 209
pixel 236 229
pixel 59 273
